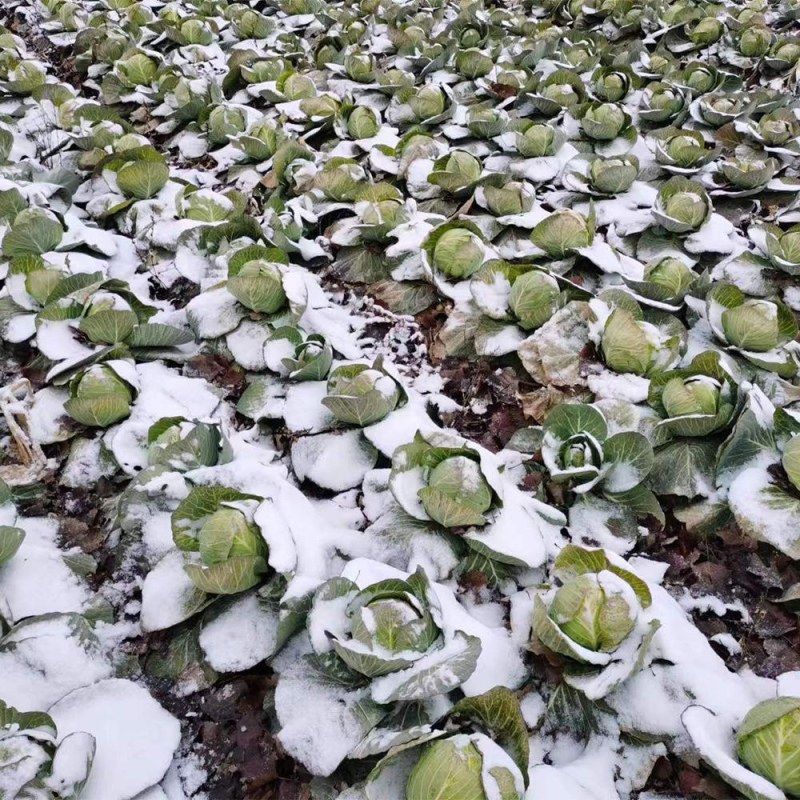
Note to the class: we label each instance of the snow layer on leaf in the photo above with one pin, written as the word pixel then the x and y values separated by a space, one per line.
pixel 766 512
pixel 335 461
pixel 241 636
pixel 136 738
pixel 320 722
pixel 39 563
pixel 47 660
pixel 163 393
pixel 168 594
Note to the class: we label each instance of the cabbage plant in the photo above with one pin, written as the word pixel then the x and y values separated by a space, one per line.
pixel 665 283
pixel 101 394
pixel 181 444
pixel 605 121
pixel 597 617
pixel 521 295
pixel 682 205
pixel 141 172
pixel 34 763
pixel 563 232
pixel 363 123
pixel 577 450
pixel 509 197
pixel 340 180
pixel 743 176
pixel 768 742
pixel 560 90
pixel 260 141
pixel 613 175
pixel 226 553
pixel 361 395
pixel 376 646
pixel 614 83
pixel 663 103
pixel 632 340
pixel 379 218
pixel 698 400
pixel 455 250
pixel 781 247
pixel 539 140
pixel 602 177
pixel 452 489
pixel 456 173
pixel 761 331
pixel 388 627
pixel 257 284
pixel 682 151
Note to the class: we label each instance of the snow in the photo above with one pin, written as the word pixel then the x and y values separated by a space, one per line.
pixel 38 563
pixel 335 461
pixel 714 742
pixel 241 636
pixel 760 518
pixel 47 661
pixel 135 737
pixel 71 763
pixel 612 386
pixel 168 595
pixel 303 409
pixel 323 745
pixel 162 393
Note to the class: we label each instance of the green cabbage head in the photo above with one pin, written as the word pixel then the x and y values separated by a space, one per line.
pixel 768 742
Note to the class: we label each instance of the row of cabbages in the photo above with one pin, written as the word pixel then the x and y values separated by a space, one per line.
pixel 617 220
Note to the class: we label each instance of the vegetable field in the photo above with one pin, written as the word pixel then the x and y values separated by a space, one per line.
pixel 399 400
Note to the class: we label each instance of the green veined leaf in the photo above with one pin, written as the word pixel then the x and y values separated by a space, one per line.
pixel 499 713
pixel 99 412
pixel 10 541
pixel 748 439
pixel 684 468
pixel 31 721
pixel 40 283
pixel 109 326
pixel 570 419
pixel 142 179
pixel 72 284
pixel 154 334
pixel 11 204
pixel 34 232
pixel 630 457
pixel 234 575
